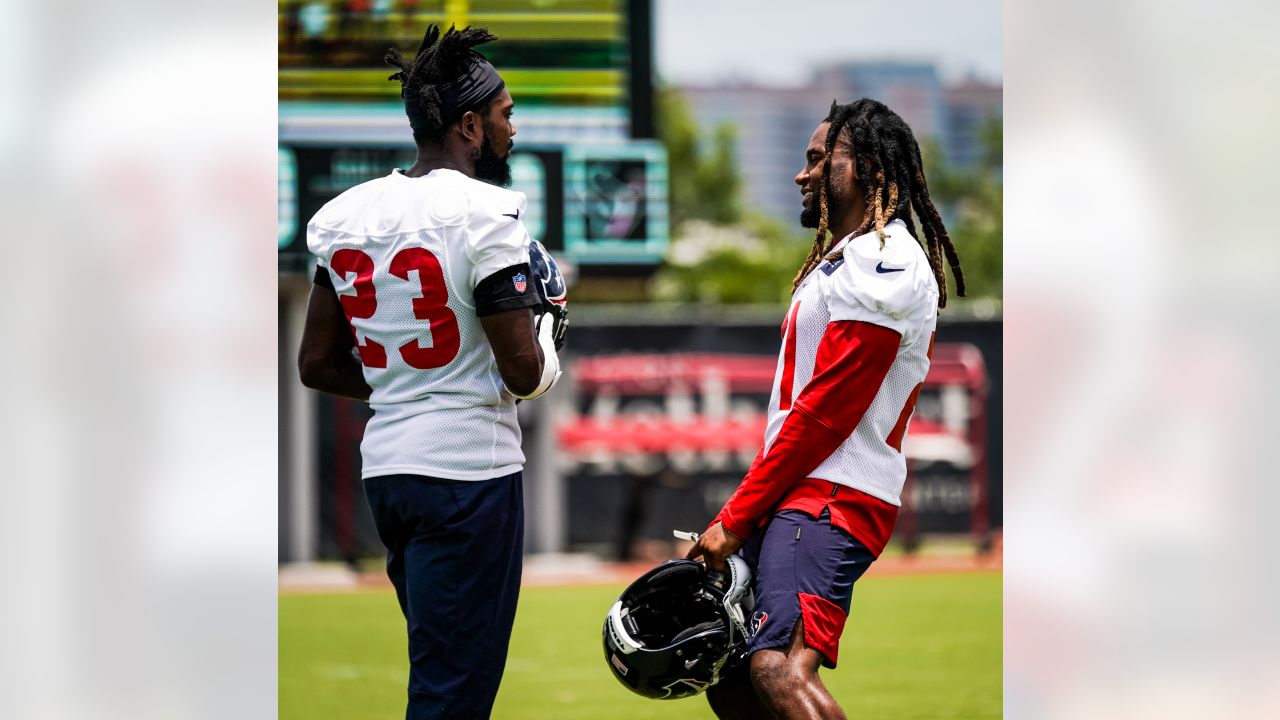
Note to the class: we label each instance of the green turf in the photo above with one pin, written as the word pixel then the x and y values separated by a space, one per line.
pixel 914 647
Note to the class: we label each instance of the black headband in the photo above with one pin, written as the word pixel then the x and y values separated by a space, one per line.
pixel 475 88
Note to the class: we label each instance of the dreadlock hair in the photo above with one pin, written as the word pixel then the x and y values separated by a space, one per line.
pixel 887 161
pixel 434 65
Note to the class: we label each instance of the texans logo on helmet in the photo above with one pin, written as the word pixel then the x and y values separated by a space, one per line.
pixel 520 281
pixel 691 687
pixel 545 270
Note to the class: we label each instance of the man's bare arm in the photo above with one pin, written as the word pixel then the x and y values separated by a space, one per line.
pixel 515 348
pixel 326 361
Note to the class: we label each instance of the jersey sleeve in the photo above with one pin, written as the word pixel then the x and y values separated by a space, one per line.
pixel 497 239
pixel 892 287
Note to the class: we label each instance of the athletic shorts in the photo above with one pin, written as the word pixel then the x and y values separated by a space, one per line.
pixel 804 568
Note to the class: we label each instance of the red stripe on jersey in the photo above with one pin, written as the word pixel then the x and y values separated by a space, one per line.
pixel 900 428
pixel 823 625
pixel 852 361
pixel 788 360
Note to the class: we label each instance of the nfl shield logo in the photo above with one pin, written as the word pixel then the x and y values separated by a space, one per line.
pixel 519 281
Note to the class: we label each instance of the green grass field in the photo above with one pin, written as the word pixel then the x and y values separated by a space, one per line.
pixel 914 647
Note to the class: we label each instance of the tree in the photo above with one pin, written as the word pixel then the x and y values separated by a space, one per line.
pixel 972 203
pixel 704 185
pixel 719 253
pixel 752 261
pixel 723 254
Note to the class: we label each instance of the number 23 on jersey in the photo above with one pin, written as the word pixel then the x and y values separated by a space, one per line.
pixel 432 306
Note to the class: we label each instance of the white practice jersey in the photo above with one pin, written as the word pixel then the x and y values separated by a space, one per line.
pixel 405 255
pixel 892 287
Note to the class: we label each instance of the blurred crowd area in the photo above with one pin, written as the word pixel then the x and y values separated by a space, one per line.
pixel 555 51
pixel 316 33
pixel 347 33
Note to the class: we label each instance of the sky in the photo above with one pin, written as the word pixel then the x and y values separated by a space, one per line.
pixel 776 44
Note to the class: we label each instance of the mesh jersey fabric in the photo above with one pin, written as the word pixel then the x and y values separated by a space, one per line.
pixel 893 287
pixel 436 411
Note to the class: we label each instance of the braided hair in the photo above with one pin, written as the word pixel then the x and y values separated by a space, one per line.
pixel 890 171
pixel 434 65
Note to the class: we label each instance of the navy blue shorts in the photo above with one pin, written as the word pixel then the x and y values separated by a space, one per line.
pixel 453 553
pixel 804 568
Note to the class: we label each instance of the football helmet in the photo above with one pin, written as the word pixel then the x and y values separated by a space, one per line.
pixel 677 628
pixel 551 285
pixel 552 291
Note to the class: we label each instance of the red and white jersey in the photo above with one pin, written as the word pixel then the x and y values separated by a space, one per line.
pixel 405 255
pixel 894 288
pixel 855 351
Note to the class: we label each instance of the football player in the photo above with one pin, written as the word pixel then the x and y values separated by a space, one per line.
pixel 425 304
pixel 819 503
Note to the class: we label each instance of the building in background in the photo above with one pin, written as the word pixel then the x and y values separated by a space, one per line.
pixel 969 106
pixel 774 124
pixel 772 129
pixel 912 89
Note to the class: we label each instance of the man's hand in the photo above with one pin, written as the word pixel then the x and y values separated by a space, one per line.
pixel 559 316
pixel 715 545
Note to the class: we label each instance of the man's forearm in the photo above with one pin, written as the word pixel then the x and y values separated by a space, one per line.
pixel 343 377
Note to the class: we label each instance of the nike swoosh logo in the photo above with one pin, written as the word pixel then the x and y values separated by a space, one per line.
pixel 880 268
pixel 513 217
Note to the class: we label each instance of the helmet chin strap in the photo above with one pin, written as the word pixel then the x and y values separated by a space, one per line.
pixel 737 588
pixel 736 595
pixel 621 637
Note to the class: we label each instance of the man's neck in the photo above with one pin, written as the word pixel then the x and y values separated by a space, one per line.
pixel 429 160
pixel 840 230
pixel 847 222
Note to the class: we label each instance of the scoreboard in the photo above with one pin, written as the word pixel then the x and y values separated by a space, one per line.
pixel 561 52
pixel 581 75
pixel 595 205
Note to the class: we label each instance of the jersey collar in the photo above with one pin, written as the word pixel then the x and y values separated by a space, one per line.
pixel 838 247
pixel 398 173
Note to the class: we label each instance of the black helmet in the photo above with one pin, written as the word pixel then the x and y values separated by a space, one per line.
pixel 676 629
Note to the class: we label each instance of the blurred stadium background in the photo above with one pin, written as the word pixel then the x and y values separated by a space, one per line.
pixel 673 212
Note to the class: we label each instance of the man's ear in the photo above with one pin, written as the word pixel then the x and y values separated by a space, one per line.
pixel 469 125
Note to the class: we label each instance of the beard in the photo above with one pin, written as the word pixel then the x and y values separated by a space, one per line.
pixel 491 167
pixel 811 216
